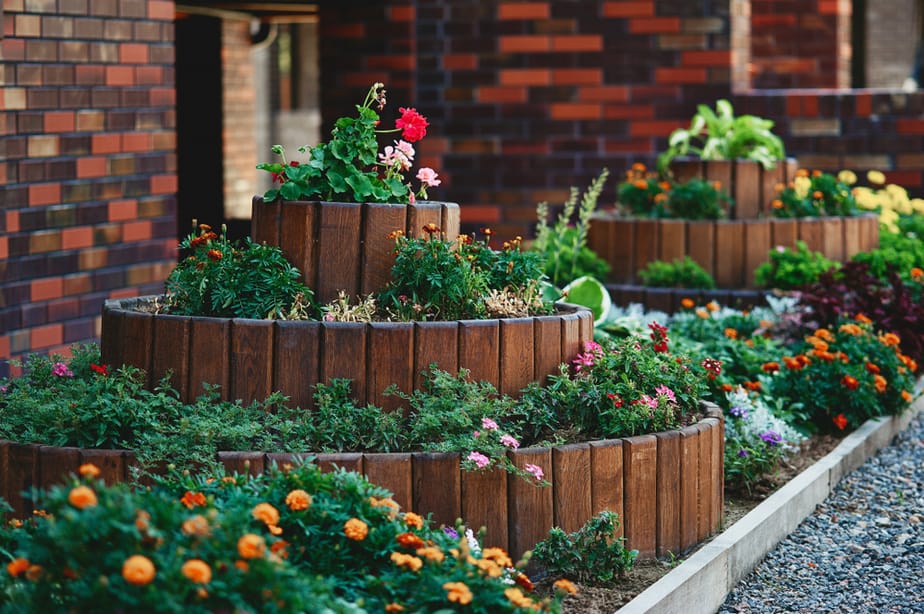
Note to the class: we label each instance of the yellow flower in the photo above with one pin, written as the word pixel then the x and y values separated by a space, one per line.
pixel 197 571
pixel 458 592
pixel 355 529
pixel 81 497
pixel 875 176
pixel 251 546
pixel 847 176
pixel 298 500
pixel 138 570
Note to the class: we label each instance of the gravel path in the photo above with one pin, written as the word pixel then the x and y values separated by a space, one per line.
pixel 862 550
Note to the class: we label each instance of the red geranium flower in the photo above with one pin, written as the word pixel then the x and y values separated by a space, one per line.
pixel 840 421
pixel 412 124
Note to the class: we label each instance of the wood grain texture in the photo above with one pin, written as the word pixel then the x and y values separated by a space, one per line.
pixel 571 475
pixel 640 487
pixel 209 355
pixel 516 354
pixel 479 350
pixel 547 347
pixel 484 503
pixel 297 361
pixel 251 360
pixel 672 240
pixel 729 254
pixel 530 507
pixel 444 502
pixel 298 237
pixel 701 244
pixel 171 353
pixel 338 251
pixel 389 360
pixel 379 221
pixel 606 479
pixel 669 480
pixel 747 189
pixel 756 247
pixel 393 473
pixel 689 486
pixel 243 463
pixel 343 347
pixel 435 343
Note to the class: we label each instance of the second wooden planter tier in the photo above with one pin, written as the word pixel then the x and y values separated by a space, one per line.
pixel 345 246
pixel 729 250
pixel 250 359
pixel 666 487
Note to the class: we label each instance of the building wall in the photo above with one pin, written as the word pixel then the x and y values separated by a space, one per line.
pixel 893 34
pixel 88 201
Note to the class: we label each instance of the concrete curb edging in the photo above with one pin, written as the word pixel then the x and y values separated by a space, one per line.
pixel 701 583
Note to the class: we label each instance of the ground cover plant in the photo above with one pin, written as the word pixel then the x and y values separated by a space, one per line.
pixel 647 194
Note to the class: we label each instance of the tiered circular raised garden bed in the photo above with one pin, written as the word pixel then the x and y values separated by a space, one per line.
pixel 666 487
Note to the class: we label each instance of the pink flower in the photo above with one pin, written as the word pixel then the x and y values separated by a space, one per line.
pixel 60 370
pixel 534 470
pixel 583 360
pixel 412 124
pixel 650 402
pixel 489 424
pixel 509 441
pixel 428 176
pixel 401 155
pixel 480 460
pixel 664 391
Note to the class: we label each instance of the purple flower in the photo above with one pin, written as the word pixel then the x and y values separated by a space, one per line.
pixel 60 369
pixel 739 412
pixel 534 470
pixel 480 460
pixel 771 438
pixel 742 453
pixel 451 532
pixel 509 441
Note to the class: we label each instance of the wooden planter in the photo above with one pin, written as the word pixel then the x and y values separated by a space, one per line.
pixel 729 250
pixel 345 246
pixel 249 359
pixel 667 487
pixel 750 185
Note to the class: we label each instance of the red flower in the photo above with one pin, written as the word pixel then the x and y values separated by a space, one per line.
pixel 840 421
pixel 412 124
pixel 850 383
pixel 101 369
pixel 659 337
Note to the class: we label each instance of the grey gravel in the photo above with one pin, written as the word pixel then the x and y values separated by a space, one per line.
pixel 862 550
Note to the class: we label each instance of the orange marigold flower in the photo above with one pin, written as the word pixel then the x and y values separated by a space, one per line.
pixel 34 573
pixel 394 607
pixel 917 273
pixel 702 313
pixel 214 255
pixel 889 339
pixel 640 184
pixel 880 383
pixel 242 566
pixel 850 382
pixel 872 367
pixel 279 548
pixel 752 386
pixel 138 570
pixel 81 497
pixel 192 499
pixel 851 329
pixel 518 599
pixel 197 571
pixel 266 513
pixel 731 333
pixel 818 195
pixel 406 560
pixel 639 167
pixel 840 421
pixel 726 387
pixel 413 520
pixel 431 553
pixel 687 303
pixel 16 567
pixel 251 546
pixel 431 228
pixel 824 334
pixel 776 203
pixel 565 585
pixel 196 526
pixel 298 500
pixel 712 306
pixel 498 555
pixel 906 396
pixel 770 367
pixel 862 318
pixel 410 540
pixel 88 470
pixel 355 529
pixel 142 520
pixel 458 592
pixel 488 567
pixel 822 355
pixel 818 344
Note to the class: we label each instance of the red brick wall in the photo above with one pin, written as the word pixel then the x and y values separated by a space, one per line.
pixel 88 208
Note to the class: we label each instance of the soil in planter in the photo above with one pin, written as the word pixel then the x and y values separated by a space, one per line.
pixel 606 600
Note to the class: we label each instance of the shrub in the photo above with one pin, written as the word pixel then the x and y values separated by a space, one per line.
pixel 238 543
pixel 593 553
pixel 889 200
pixel 844 374
pixel 563 246
pixel 696 199
pixel 218 278
pixel 680 273
pixel 814 195
pixel 643 194
pixel 791 269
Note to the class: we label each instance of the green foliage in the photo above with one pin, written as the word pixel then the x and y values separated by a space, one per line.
pixel 720 135
pixel 563 246
pixel 815 195
pixel 643 194
pixel 685 273
pixel 218 278
pixel 593 553
pixel 216 542
pixel 437 279
pixel 843 375
pixel 901 253
pixel 348 168
pixel 791 269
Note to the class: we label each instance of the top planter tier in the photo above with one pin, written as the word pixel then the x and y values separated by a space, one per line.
pixel 345 246
pixel 750 185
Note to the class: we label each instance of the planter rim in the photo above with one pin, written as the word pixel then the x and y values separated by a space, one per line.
pixel 260 198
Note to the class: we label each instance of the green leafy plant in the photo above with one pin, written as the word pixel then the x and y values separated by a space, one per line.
pixel 645 194
pixel 563 246
pixel 220 278
pixel 593 553
pixel 721 135
pixel 791 269
pixel 680 273
pixel 216 542
pixel 349 167
pixel 437 279
pixel 815 194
